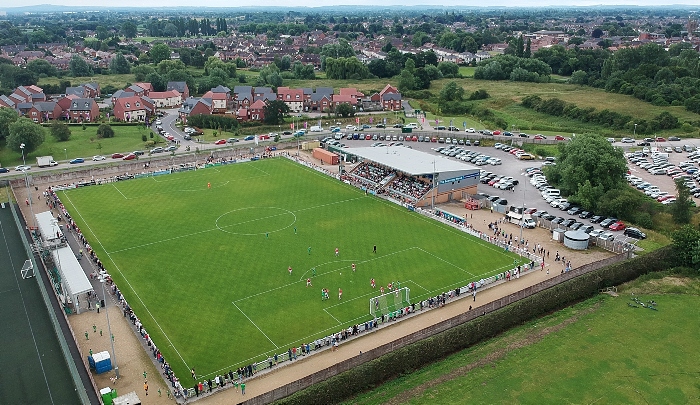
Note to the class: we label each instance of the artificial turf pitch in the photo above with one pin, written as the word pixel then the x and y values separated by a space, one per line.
pixel 202 257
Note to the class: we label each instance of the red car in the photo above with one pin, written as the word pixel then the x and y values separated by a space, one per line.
pixel 539 137
pixel 559 138
pixel 117 156
pixel 220 142
pixel 130 156
pixel 433 139
pixel 660 139
pixel 368 137
pixel 617 226
pixel 496 132
pixel 414 138
pixel 264 137
pixel 530 211
pixel 665 197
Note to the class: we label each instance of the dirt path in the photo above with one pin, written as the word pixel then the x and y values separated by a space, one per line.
pixel 133 359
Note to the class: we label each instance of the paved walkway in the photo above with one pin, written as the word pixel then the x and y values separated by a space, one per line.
pixel 133 359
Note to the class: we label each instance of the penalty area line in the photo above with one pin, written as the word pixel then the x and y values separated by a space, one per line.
pixel 256 326
pixel 115 187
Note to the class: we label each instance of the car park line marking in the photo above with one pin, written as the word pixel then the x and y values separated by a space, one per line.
pixel 115 187
pixel 116 267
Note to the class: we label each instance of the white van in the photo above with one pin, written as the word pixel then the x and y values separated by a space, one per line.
pixel 555 192
pixel 316 128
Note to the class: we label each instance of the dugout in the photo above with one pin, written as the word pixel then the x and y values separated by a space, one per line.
pixel 48 227
pixel 449 179
pixel 73 279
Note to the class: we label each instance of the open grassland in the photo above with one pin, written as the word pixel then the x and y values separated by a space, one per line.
pixel 599 351
pixel 206 269
pixel 82 143
pixel 117 80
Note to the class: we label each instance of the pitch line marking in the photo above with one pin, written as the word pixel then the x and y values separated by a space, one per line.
pixel 445 261
pixel 360 262
pixel 202 189
pixel 329 314
pixel 116 267
pixel 115 187
pixel 256 326
pixel 26 314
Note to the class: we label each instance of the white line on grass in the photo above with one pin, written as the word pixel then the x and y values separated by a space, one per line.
pixel 202 189
pixel 115 187
pixel 256 167
pixel 443 260
pixel 256 326
pixel 359 262
pixel 329 314
pixel 127 282
pixel 24 306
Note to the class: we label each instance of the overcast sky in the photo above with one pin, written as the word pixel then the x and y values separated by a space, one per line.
pixel 311 3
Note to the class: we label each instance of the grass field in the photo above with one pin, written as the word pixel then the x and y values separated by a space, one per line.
pixel 206 269
pixel 599 351
pixel 82 143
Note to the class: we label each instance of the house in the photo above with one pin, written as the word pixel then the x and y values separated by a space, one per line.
pixel 180 87
pixel 44 111
pixel 29 94
pixel 147 87
pixel 320 102
pixel 242 96
pixel 195 106
pixel 78 91
pixel 390 98
pixel 166 99
pixel 93 89
pixel 131 109
pixel 139 89
pixel 83 110
pixel 294 98
pixel 352 92
pixel 221 100
pixel 257 111
pixel 66 101
pixel 339 99
pixel 7 102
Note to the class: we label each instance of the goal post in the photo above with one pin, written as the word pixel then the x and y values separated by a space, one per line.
pixel 27 270
pixel 390 301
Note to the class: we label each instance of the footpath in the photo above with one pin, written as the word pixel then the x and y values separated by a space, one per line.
pixel 134 360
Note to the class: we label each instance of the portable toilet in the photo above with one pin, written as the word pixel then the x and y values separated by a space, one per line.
pixel 100 362
pixel 558 234
pixel 108 395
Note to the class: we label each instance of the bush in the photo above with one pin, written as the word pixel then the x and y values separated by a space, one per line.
pixel 105 131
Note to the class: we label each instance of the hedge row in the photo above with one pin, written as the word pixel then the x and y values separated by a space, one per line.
pixel 416 355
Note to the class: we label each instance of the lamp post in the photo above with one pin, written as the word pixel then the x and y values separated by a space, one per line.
pixel 21 146
pixel 522 222
pixel 103 280
pixel 635 130
pixel 434 190
pixel 66 152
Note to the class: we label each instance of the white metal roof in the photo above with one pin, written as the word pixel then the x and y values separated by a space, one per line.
pixel 410 161
pixel 45 221
pixel 72 273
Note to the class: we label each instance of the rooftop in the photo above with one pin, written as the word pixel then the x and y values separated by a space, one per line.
pixel 410 161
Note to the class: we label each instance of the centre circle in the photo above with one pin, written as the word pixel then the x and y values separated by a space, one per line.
pixel 255 220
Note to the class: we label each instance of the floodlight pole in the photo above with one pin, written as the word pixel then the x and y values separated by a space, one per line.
pixel 109 326
pixel 522 222
pixel 434 190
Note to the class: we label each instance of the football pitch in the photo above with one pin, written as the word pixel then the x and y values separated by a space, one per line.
pixel 202 257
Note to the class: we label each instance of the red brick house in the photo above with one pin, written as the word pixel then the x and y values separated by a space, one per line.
pixel 83 110
pixel 294 98
pixel 195 106
pixel 180 87
pixel 132 109
pixel 257 111
pixel 44 111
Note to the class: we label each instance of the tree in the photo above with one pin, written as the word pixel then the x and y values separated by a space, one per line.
pixel 79 67
pixel 105 131
pixel 159 82
pixel 159 52
pixel 25 131
pixel 41 66
pixel 141 71
pixel 344 110
pixel 451 92
pixel 448 69
pixel 686 246
pixel 275 111
pixel 119 64
pixel 7 117
pixel 597 33
pixel 129 29
pixel 680 209
pixel 60 130
pixel 591 158
pixel 406 81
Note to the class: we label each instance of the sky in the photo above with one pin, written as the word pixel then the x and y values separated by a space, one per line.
pixel 315 3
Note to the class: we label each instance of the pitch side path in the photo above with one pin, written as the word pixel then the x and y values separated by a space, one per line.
pixel 32 367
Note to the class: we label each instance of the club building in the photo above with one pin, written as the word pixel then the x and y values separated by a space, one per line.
pixel 411 176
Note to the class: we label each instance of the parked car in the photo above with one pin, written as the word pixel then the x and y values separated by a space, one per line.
pixel 130 156
pixel 220 142
pixel 635 233
pixel 607 222
pixel 97 158
pixel 157 149
pixel 232 140
pixel 117 156
pixel 77 160
pixel 617 226
pixel 585 214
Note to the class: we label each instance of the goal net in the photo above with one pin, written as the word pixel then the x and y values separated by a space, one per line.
pixel 389 301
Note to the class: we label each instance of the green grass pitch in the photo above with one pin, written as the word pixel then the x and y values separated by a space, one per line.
pixel 206 269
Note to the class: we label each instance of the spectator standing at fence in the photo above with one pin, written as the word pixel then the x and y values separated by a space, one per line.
pixel 474 294
pixel 242 388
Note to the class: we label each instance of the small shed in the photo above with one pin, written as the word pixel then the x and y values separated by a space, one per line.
pixel 577 240
pixel 558 235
